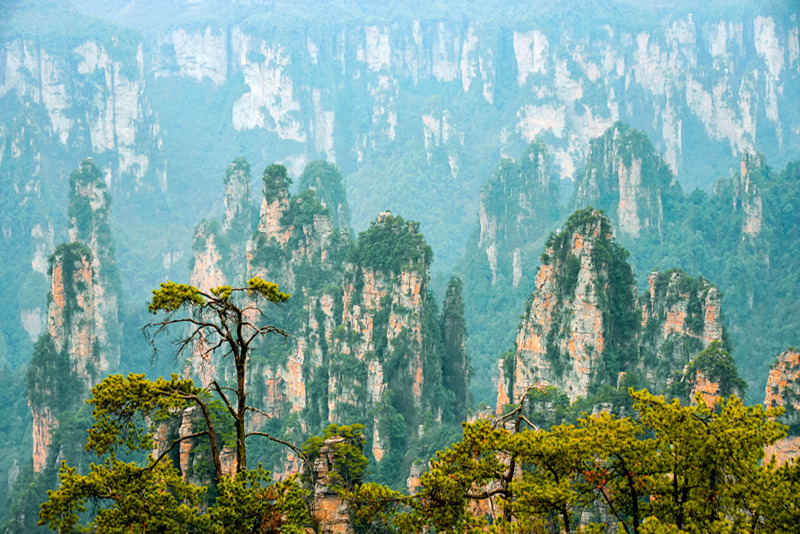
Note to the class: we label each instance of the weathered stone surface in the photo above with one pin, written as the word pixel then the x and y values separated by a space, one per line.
pixel 783 390
pixel 562 339
pixel 681 316
pixel 747 195
pixel 708 389
pixel 615 163
pixel 72 329
pixel 90 223
pixel 329 509
pixel 43 426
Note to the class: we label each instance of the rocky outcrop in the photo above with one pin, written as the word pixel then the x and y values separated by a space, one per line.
pixel 89 222
pixel 364 95
pixel 237 223
pixel 681 316
pixel 70 318
pixel 568 337
pixel 711 375
pixel 626 176
pixel 783 391
pixel 194 466
pixel 385 290
pixel 518 207
pixel 327 183
pixel 455 368
pixel 66 360
pixel 687 69
pixel 329 509
pixel 584 326
pixel 368 344
pixel 747 194
pixel 210 253
pixel 82 338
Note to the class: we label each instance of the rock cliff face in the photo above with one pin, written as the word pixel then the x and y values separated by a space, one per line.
pixel 329 509
pixel 237 223
pixel 456 373
pixel 681 316
pixel 569 336
pixel 584 326
pixel 368 344
pixel 90 223
pixel 747 195
pixel 747 216
pixel 82 339
pixel 519 200
pixel 64 364
pixel 115 122
pixel 783 387
pixel 628 178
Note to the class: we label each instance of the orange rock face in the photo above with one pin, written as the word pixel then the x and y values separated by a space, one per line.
pixel 562 339
pixel 577 318
pixel 328 508
pixel 782 390
pixel 43 425
pixel 783 450
pixel 676 335
pixel 71 323
pixel 708 389
pixel 784 378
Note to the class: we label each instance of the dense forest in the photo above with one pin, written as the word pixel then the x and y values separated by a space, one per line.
pixel 335 267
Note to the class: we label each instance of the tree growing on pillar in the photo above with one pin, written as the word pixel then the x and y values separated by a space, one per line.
pixel 229 320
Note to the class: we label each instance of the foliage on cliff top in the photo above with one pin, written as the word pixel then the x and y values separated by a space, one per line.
pixel 237 166
pixel 88 222
pixel 523 189
pixel 346 444
pixel 391 245
pixel 327 182
pixel 276 182
pixel 68 253
pixel 717 365
pixel 579 222
pixel 668 293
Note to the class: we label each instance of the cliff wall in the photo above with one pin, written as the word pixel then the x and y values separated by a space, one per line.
pixel 64 364
pixel 82 340
pixel 411 107
pixel 368 343
pixel 782 391
pixel 360 94
pixel 584 326
pixel 569 337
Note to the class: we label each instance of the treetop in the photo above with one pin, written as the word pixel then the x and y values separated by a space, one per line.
pixel 171 296
pixel 267 289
